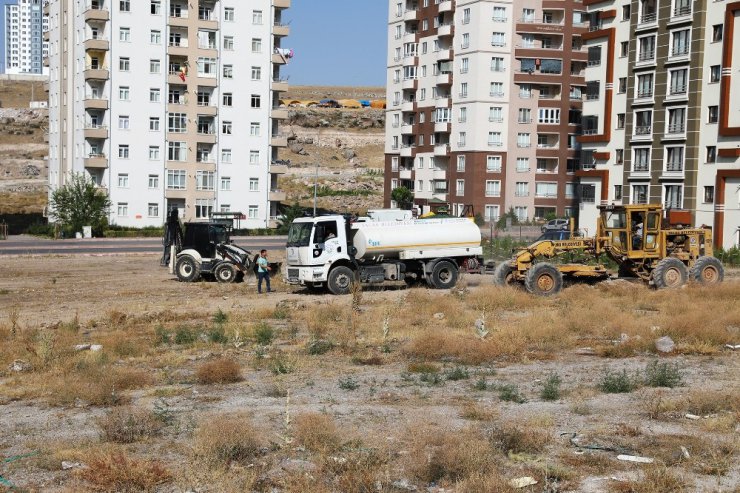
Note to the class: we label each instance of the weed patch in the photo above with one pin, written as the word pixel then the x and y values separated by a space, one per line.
pixel 127 425
pixel 663 375
pixel 317 432
pixel 617 382
pixel 222 370
pixel 226 439
pixel 510 393
pixel 116 471
pixel 551 388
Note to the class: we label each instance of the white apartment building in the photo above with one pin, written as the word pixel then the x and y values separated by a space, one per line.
pixel 25 47
pixel 169 104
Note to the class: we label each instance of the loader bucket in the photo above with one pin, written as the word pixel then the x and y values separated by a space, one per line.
pixel 275 268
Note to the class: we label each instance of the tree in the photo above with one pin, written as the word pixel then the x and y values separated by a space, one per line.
pixel 80 203
pixel 403 197
pixel 289 213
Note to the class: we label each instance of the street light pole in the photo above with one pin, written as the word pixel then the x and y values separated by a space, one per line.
pixel 315 188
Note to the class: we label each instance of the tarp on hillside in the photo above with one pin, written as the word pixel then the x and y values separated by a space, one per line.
pixel 378 104
pixel 349 103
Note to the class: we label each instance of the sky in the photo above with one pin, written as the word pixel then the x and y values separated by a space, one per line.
pixel 337 42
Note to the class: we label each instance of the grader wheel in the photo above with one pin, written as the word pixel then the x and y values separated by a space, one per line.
pixel 544 279
pixel 707 270
pixel 670 273
pixel 503 275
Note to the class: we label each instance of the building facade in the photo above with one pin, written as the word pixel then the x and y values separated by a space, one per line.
pixel 169 105
pixel 24 46
pixel 661 121
pixel 484 105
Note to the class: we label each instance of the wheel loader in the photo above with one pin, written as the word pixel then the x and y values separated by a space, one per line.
pixel 643 241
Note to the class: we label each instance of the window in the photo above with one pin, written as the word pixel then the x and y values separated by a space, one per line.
pixel 495 114
pixel 523 140
pixel 460 187
pixel 123 122
pixel 713 114
pixel 491 213
pixel 176 179
pixel 521 213
pixel 528 15
pixel 522 164
pixel 680 44
pixel 464 90
pixel 177 151
pixel 549 115
pixel 124 5
pixel 708 195
pixel 255 101
pixel 594 56
pixel 228 72
pixel 646 49
pixel 206 67
pixel 226 156
pixel 547 190
pixel 466 16
pixel 643 122
pixel 256 17
pixel 624 48
pixel 679 81
pixel 570 190
pixel 682 7
pixel 153 153
pixel 254 129
pixel 619 159
pixel 462 138
pixel 673 196
pixel 154 95
pixel 226 183
pixel 465 41
pixel 122 209
pixel 711 154
pixel 676 121
pixel 626 12
pixel 155 66
pixel 225 208
pixel 499 14
pixel 716 33
pixel 155 37
pixel 226 128
pixel 156 7
pixel 254 184
pixel 497 64
pixel 154 124
pixel 493 188
pixel 463 115
pixel 622 85
pixel 714 73
pixel 177 123
pixel 229 43
pixel 229 14
pixel 228 99
pixel 253 212
pixel 521 189
pixel 639 194
pixel 256 45
pixel 124 34
pixel 497 89
pixel 153 182
pixel 674 159
pixel 153 209
pixel 203 208
pixel 124 64
pixel 464 65
pixel 123 180
pixel 494 139
pixel 123 151
pixel 124 93
pixel 498 39
pixel 256 73
pixel 461 164
pixel 641 161
pixel 493 164
pixel 204 180
pixel 617 192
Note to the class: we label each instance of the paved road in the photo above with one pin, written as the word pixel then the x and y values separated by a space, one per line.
pixel 29 245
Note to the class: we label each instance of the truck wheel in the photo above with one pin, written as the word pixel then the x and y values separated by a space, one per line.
pixel 670 273
pixel 225 272
pixel 503 275
pixel 187 269
pixel 544 279
pixel 444 275
pixel 340 280
pixel 708 270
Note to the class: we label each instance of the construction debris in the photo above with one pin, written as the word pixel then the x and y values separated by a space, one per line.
pixel 522 482
pixel 635 458
pixel 665 344
pixel 19 366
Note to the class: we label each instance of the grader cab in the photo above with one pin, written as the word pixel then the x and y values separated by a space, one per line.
pixel 643 241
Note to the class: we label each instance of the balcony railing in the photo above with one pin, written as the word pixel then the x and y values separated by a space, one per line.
pixel 647 55
pixel 640 167
pixel 682 10
pixel 676 128
pixel 495 119
pixel 643 130
pixel 678 89
pixel 674 167
pixel 680 51
pixel 647 18
pixel 590 131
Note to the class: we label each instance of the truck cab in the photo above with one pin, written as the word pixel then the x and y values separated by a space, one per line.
pixel 314 245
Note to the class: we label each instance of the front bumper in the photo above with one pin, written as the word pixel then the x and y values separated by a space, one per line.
pixel 305 274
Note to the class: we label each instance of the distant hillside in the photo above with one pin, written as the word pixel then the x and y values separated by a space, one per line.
pixel 334 92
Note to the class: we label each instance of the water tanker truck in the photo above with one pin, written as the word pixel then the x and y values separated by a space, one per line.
pixel 333 252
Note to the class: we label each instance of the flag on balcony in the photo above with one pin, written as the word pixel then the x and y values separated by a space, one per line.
pixel 183 72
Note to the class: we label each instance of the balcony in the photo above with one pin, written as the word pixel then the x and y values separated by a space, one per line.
pixel 444 30
pixel 207 20
pixel 96 73
pixel 444 54
pixel 277 195
pixel 96 103
pixel 407 150
pixel 407 105
pixel 98 161
pixel 442 102
pixel 409 84
pixel 179 20
pixel 207 110
pixel 281 30
pixel 179 49
pixel 279 59
pixel 97 14
pixel 281 4
pixel 279 114
pixel 443 79
pixel 205 80
pixel 98 44
pixel 640 167
pixel 439 174
pixel 404 174
pixel 278 169
pixel 409 15
pixel 442 127
pixel 442 150
pixel 47 35
pixel 279 85
pixel 440 186
pixel 445 6
pixel 279 140
pixel 95 131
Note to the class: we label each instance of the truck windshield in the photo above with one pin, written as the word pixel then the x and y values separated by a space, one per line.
pixel 299 234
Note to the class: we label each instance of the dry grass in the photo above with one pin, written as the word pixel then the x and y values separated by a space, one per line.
pixel 102 385
pixel 655 479
pixel 515 438
pixel 225 439
pixel 128 425
pixel 222 370
pixel 116 471
pixel 317 433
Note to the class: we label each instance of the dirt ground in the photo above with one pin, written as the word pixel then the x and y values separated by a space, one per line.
pixel 369 386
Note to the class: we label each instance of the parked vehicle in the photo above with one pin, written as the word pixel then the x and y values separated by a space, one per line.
pixel 336 251
pixel 556 225
pixel 207 250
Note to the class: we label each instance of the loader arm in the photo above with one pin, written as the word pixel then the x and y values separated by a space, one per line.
pixel 549 249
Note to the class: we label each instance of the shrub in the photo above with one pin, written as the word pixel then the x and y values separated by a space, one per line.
pixel 318 347
pixel 481 384
pixel 457 373
pixel 115 471
pixel 220 317
pixel 264 334
pixel 316 432
pixel 519 439
pixel 431 378
pixel 217 335
pixel 616 382
pixel 282 365
pixel 422 368
pixel 185 336
pixel 127 425
pixel 510 393
pixel 551 388
pixel 348 383
pixel 161 335
pixel 225 439
pixel 663 375
pixel 222 370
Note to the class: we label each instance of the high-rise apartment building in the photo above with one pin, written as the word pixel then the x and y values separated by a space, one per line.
pixel 484 104
pixel 661 122
pixel 25 49
pixel 169 104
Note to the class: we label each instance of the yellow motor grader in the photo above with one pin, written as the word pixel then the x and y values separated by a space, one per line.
pixel 642 241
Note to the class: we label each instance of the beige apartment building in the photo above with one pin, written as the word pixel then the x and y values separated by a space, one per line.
pixel 169 104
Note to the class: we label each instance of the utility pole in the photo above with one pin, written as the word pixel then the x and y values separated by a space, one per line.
pixel 315 188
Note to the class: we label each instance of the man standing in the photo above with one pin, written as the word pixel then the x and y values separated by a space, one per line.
pixel 263 272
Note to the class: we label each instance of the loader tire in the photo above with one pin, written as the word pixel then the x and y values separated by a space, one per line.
pixel 544 279
pixel 707 270
pixel 225 272
pixel 504 275
pixel 340 280
pixel 187 269
pixel 670 273
pixel 444 275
